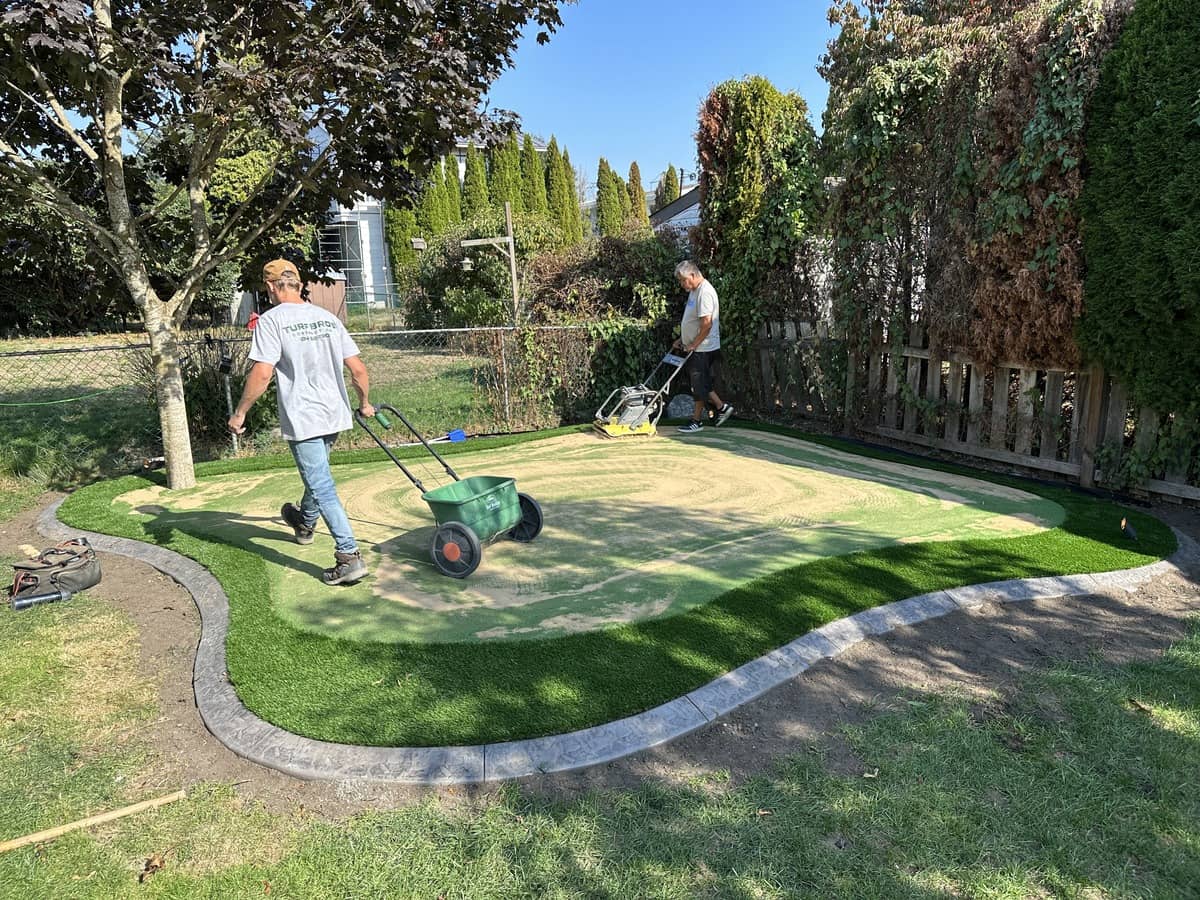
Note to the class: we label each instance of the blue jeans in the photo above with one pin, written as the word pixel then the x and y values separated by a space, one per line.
pixel 320 493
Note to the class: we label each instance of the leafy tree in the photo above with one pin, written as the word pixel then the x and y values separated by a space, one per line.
pixel 609 218
pixel 449 297
pixel 637 195
pixel 504 179
pixel 667 191
pixel 50 282
pixel 475 185
pixel 1141 209
pixel 759 172
pixel 87 83
pixel 453 189
pixel 533 179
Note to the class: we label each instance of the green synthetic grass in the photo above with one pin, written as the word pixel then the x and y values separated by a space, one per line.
pixel 423 695
pixel 1078 782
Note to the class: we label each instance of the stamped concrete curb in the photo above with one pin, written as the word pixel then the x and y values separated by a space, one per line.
pixel 247 735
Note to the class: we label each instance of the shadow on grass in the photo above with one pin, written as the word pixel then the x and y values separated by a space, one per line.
pixel 1078 777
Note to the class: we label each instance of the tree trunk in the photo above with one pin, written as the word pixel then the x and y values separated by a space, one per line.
pixel 168 386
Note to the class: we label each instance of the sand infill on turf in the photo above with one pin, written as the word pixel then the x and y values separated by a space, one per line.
pixel 634 529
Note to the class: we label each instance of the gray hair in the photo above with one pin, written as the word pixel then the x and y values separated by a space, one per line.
pixel 687 267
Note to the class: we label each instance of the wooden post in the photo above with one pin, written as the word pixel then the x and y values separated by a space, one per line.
pixel 512 262
pixel 999 407
pixel 915 339
pixel 954 400
pixel 851 385
pixel 893 387
pixel 1089 425
pixel 975 403
pixel 764 359
pixel 1118 412
pixel 1051 415
pixel 1026 385
pixel 875 375
pixel 933 393
pixel 789 367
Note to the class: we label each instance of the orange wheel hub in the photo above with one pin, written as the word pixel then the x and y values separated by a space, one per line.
pixel 452 552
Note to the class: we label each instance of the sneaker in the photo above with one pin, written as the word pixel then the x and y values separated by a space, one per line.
pixel 724 414
pixel 292 515
pixel 691 427
pixel 348 568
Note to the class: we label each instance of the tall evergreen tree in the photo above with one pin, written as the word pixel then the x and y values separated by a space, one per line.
pixel 431 209
pixel 505 177
pixel 533 179
pixel 609 219
pixel 637 196
pixel 668 188
pixel 475 197
pixel 583 224
pixel 453 189
pixel 623 197
pixel 560 195
pixel 400 227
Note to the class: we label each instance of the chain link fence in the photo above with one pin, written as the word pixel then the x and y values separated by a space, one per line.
pixel 71 412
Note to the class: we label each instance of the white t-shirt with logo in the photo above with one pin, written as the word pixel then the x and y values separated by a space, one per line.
pixel 306 345
pixel 702 302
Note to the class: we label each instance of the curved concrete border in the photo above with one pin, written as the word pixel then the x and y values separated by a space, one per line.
pixel 247 735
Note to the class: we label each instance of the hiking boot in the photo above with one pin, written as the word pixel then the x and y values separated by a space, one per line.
pixel 292 515
pixel 691 427
pixel 725 412
pixel 347 569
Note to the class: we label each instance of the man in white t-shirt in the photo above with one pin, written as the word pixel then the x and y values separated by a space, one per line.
pixel 700 335
pixel 304 347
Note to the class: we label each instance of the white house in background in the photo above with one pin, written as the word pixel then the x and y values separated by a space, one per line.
pixel 682 213
pixel 354 244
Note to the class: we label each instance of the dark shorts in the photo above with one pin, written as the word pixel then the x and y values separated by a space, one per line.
pixel 703 366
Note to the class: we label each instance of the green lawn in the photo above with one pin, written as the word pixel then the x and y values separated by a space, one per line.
pixel 465 693
pixel 1081 783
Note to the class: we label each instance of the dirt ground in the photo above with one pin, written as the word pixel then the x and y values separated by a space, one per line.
pixel 976 651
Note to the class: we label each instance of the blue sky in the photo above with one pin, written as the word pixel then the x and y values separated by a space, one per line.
pixel 624 79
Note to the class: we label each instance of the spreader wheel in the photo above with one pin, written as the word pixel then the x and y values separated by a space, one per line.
pixel 530 525
pixel 456 550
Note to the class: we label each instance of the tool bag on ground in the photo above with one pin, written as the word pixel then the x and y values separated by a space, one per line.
pixel 54 574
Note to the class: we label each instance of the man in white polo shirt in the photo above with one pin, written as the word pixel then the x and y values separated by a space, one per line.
pixel 700 335
pixel 304 347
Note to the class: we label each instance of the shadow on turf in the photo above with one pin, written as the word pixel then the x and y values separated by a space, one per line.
pixel 232 530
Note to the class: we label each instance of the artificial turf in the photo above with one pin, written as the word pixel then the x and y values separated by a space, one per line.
pixel 465 693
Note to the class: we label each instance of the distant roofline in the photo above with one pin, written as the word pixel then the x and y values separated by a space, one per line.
pixel 462 143
pixel 676 206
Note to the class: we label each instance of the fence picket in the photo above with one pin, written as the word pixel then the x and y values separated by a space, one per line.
pixel 975 403
pixel 1118 412
pixel 1051 415
pixel 954 383
pixel 1000 390
pixel 1026 387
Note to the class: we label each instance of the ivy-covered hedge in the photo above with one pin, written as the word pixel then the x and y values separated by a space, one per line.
pixel 759 189
pixel 1141 206
pixel 956 131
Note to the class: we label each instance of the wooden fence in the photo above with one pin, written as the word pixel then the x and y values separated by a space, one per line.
pixel 786 375
pixel 1071 423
